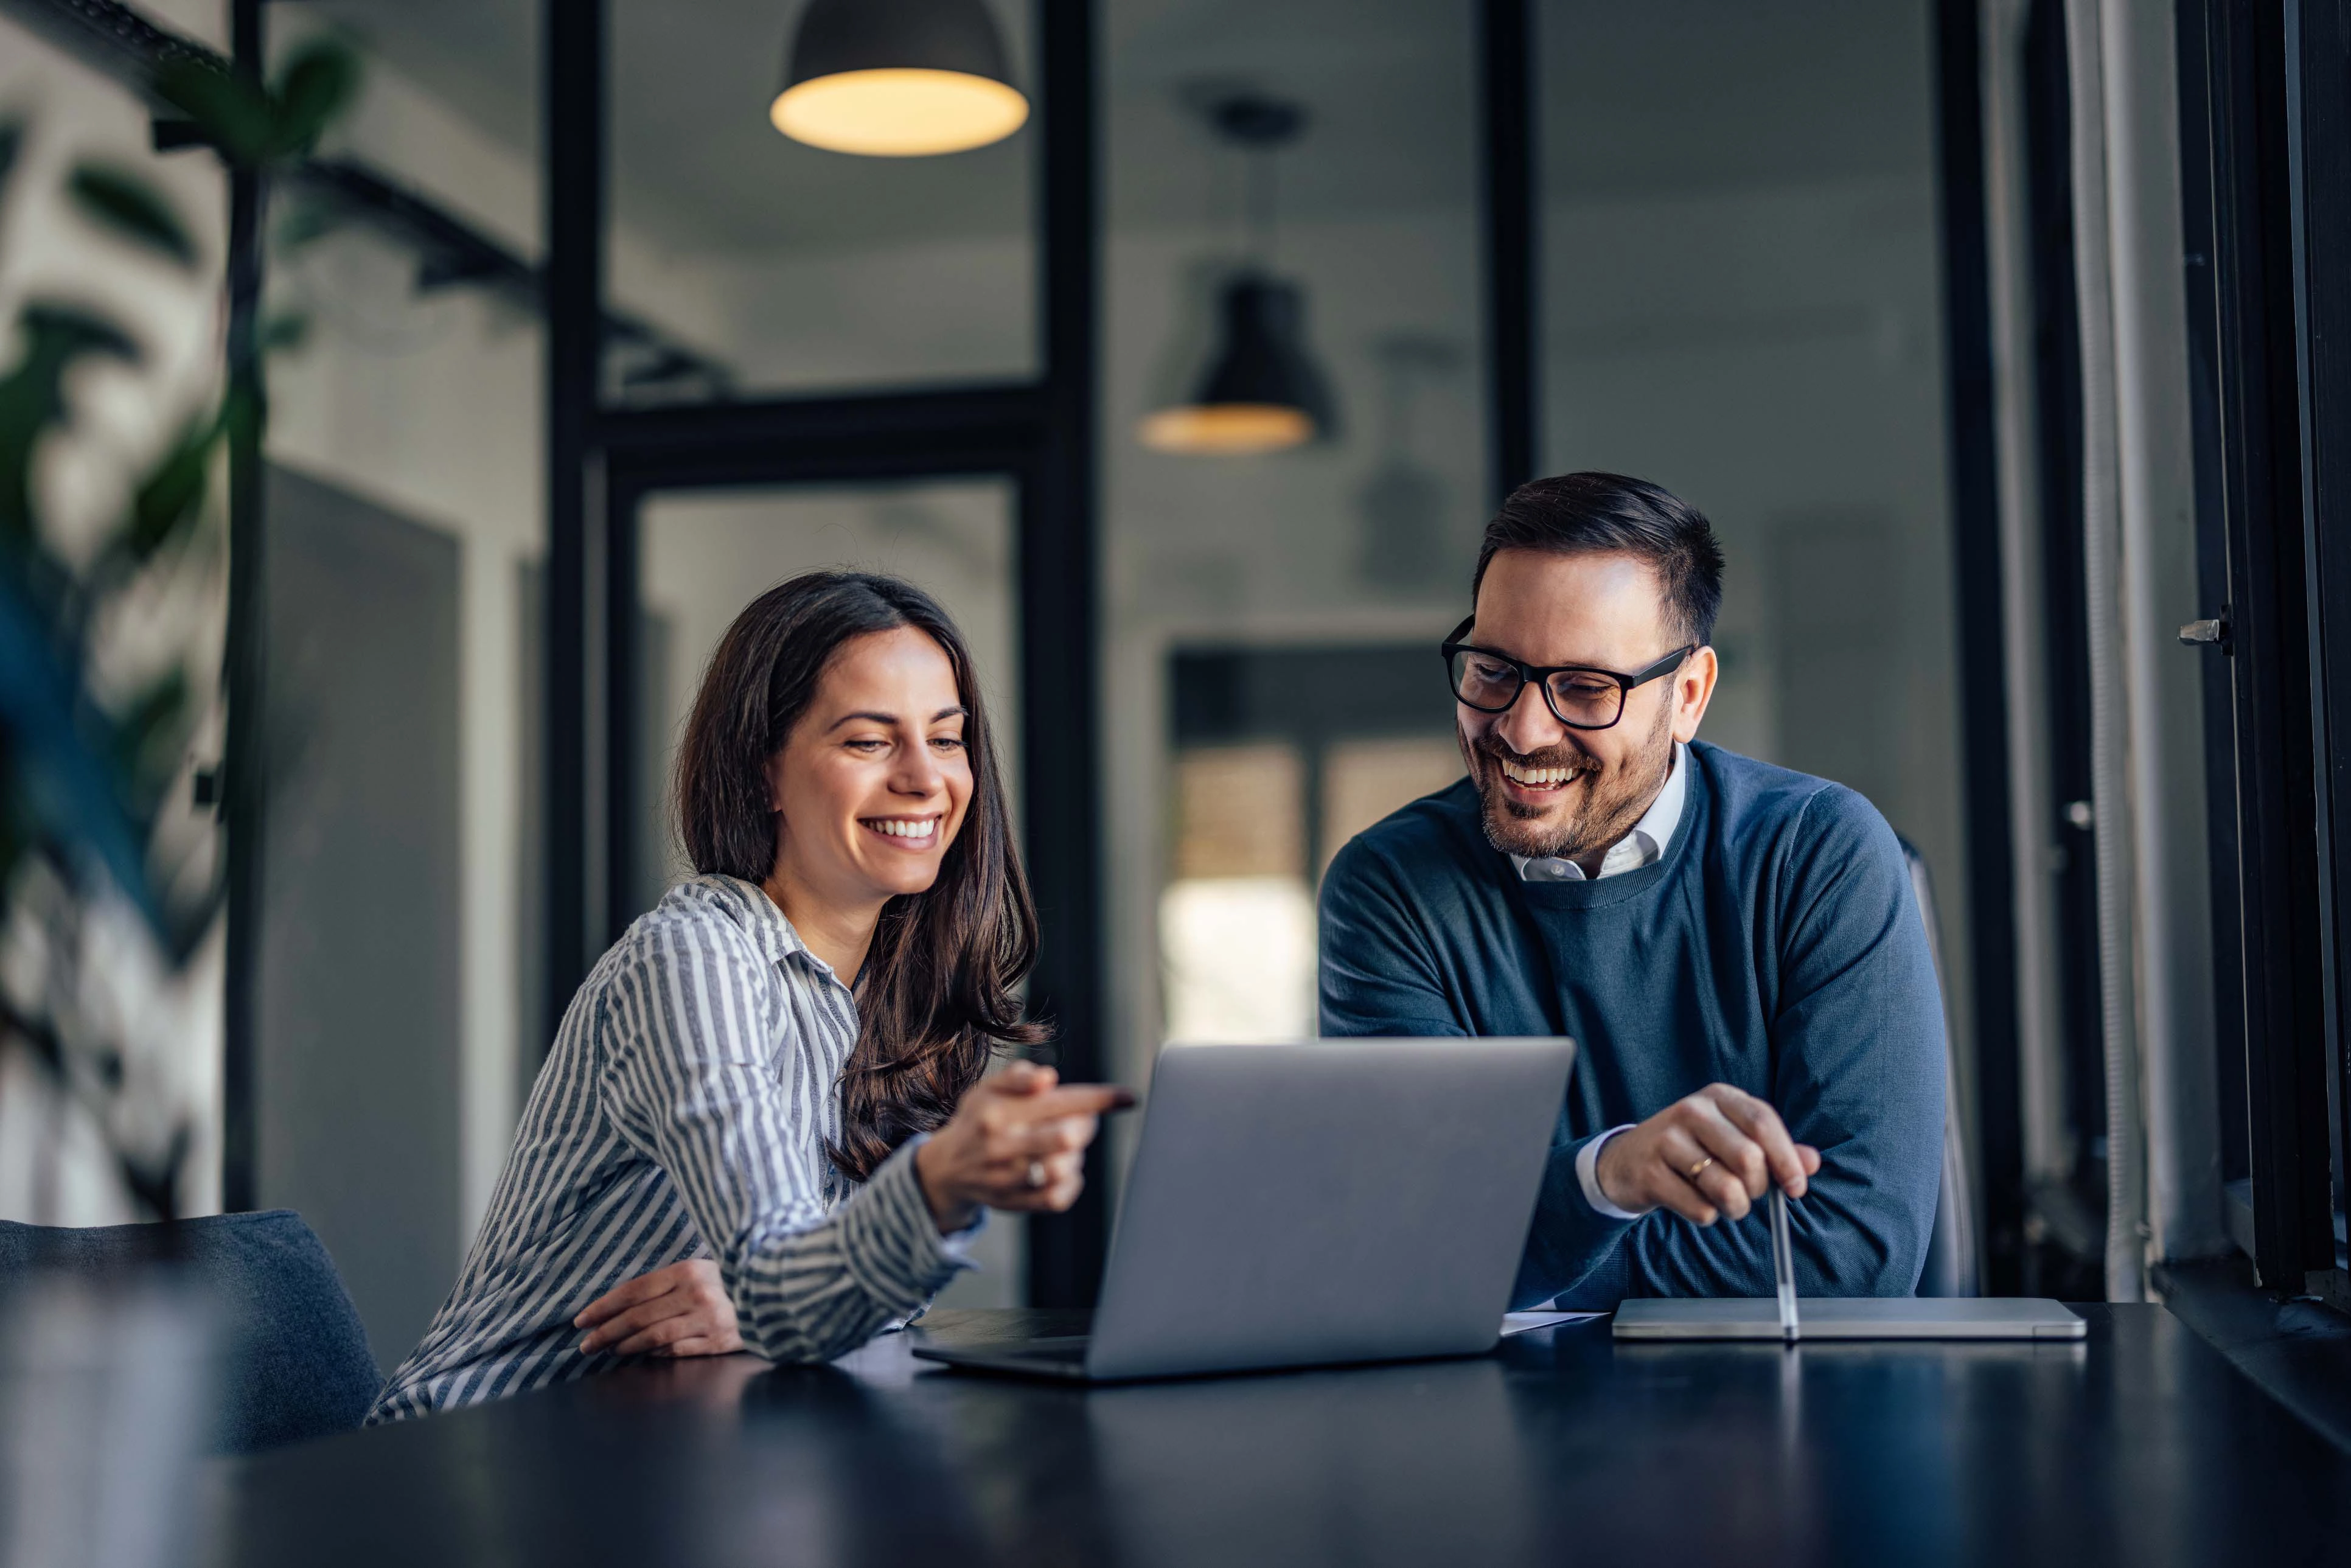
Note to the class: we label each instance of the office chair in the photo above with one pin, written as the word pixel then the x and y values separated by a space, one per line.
pixel 296 1362
pixel 1952 1268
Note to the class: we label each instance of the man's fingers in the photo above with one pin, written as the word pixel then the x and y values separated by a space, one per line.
pixel 1726 1191
pixel 1760 1123
pixel 1735 1154
pixel 1671 1183
pixel 1811 1158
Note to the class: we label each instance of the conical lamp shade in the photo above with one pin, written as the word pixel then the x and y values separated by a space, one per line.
pixel 898 79
pixel 1261 393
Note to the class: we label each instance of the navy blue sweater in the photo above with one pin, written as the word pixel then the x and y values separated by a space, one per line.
pixel 1774 946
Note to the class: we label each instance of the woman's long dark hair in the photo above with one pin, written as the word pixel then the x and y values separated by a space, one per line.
pixel 936 993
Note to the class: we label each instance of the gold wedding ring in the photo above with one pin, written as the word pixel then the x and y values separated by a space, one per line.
pixel 1695 1171
pixel 1036 1173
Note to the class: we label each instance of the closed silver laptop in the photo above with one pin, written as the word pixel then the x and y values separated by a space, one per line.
pixel 1852 1317
pixel 1343 1200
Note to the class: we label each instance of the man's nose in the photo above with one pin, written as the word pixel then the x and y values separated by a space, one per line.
pixel 1528 725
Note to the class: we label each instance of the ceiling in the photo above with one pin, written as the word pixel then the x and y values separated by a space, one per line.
pixel 1639 95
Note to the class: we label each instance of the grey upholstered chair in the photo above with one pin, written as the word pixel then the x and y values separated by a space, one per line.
pixel 1951 1268
pixel 295 1364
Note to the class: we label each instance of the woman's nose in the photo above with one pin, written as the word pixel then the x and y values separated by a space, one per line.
pixel 918 773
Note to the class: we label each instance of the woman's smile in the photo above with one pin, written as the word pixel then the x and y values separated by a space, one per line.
pixel 912 834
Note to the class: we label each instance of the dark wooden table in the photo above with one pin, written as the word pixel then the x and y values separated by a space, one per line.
pixel 2141 1446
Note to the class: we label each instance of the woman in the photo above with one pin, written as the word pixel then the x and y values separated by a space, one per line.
pixel 764 1110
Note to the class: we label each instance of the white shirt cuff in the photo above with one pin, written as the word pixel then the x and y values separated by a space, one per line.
pixel 1587 1177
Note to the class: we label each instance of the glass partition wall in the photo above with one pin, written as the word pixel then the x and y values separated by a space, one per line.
pixel 1271 615
pixel 1187 394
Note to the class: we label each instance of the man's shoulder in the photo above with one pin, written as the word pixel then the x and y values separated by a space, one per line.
pixel 1435 827
pixel 1763 811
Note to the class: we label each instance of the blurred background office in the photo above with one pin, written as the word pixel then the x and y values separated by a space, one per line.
pixel 591 351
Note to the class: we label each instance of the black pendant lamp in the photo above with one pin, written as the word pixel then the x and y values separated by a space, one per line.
pixel 898 79
pixel 1261 392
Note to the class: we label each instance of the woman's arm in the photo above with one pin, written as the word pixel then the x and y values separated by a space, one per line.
pixel 689 1079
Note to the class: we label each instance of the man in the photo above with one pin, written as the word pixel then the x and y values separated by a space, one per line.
pixel 1734 945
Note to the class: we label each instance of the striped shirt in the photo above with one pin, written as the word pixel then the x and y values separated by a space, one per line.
pixel 683 1113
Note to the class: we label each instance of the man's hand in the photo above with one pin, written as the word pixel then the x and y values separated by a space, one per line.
pixel 1017 1140
pixel 682 1309
pixel 1713 1153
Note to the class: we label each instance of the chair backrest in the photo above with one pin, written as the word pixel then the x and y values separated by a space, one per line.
pixel 1951 1267
pixel 296 1362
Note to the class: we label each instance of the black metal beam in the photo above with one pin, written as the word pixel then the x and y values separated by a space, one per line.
pixel 1513 244
pixel 1982 654
pixel 245 761
pixel 1060 655
pixel 574 89
pixel 119 42
pixel 2318 42
pixel 855 431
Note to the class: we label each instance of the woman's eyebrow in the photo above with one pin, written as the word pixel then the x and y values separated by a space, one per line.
pixel 891 719
pixel 885 718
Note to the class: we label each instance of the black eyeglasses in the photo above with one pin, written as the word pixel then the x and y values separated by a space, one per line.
pixel 1579 695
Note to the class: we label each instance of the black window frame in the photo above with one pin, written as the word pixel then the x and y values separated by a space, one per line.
pixel 2266 211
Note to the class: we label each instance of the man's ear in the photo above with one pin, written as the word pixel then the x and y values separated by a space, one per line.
pixel 1693 689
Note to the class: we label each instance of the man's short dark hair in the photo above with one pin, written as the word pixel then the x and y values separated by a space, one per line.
pixel 1608 513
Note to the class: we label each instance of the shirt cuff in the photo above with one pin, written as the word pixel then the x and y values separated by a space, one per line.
pixel 1587 1177
pixel 893 1241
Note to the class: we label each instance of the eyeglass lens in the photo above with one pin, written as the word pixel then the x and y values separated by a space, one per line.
pixel 1578 697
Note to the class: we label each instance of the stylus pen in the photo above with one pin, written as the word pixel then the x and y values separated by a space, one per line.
pixel 1783 1267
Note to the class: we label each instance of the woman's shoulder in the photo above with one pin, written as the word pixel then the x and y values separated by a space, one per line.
pixel 708 918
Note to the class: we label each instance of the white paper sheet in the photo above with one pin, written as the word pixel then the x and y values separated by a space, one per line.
pixel 1519 1322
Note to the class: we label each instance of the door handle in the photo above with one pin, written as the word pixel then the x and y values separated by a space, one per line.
pixel 2214 632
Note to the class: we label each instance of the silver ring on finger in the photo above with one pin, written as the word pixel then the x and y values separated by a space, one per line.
pixel 1698 1169
pixel 1036 1173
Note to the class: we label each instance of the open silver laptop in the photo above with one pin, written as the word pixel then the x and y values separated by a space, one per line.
pixel 1334 1201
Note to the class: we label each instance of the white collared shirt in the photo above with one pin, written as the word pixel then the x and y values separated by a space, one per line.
pixel 1644 846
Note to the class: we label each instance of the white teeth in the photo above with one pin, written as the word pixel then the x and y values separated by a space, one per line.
pixel 897 829
pixel 1537 776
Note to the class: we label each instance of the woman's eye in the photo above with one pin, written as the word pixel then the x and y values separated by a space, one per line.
pixel 948 742
pixel 867 746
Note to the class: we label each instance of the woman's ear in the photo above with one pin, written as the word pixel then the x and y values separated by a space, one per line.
pixel 774 773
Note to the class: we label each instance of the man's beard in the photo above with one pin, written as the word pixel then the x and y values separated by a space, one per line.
pixel 1601 808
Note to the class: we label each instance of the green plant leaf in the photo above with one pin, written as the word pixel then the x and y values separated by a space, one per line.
pixel 12 138
pixel 32 397
pixel 123 202
pixel 233 114
pixel 315 87
pixel 288 332
pixel 172 494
